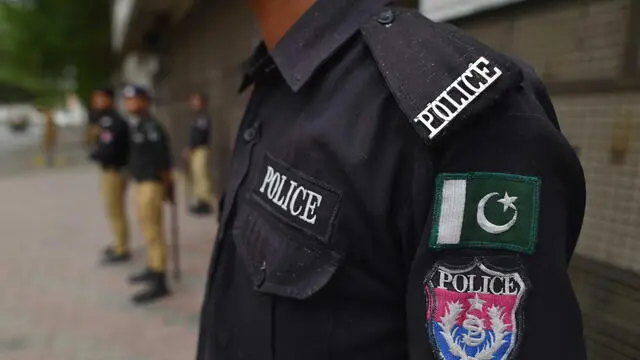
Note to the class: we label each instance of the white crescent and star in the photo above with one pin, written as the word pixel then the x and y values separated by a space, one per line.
pixel 508 203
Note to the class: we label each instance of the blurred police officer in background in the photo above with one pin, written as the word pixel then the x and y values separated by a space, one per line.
pixel 398 190
pixel 92 130
pixel 197 155
pixel 49 137
pixel 150 167
pixel 111 152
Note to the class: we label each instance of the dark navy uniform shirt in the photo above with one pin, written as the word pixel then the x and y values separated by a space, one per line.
pixel 150 150
pixel 398 190
pixel 200 131
pixel 112 148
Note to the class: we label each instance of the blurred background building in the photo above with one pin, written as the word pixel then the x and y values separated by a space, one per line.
pixel 587 52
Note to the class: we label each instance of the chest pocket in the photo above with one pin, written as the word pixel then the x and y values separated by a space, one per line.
pixel 138 138
pixel 284 229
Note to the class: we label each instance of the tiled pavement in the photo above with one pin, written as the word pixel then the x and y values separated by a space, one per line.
pixel 58 303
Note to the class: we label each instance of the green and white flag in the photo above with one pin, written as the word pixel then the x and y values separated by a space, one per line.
pixel 486 210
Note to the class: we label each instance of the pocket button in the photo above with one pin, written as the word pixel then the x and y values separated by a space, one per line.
pixel 262 275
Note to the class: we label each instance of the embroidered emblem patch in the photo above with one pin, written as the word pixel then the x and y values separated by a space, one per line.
pixel 462 92
pixel 106 137
pixel 300 200
pixel 474 312
pixel 486 210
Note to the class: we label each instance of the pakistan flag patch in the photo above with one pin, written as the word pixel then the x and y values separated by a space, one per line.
pixel 486 210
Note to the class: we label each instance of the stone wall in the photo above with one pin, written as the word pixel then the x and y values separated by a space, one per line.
pixel 204 53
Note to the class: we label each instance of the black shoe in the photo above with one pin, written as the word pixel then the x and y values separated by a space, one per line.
pixel 145 276
pixel 108 251
pixel 157 289
pixel 201 208
pixel 112 258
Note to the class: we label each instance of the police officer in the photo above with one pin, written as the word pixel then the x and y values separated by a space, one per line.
pixel 49 137
pixel 92 130
pixel 197 155
pixel 398 190
pixel 112 152
pixel 150 167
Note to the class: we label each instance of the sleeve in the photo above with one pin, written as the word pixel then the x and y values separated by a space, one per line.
pixel 489 279
pixel 107 145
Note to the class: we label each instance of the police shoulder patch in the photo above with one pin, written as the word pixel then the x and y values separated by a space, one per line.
pixel 474 311
pixel 486 210
pixel 440 77
pixel 106 137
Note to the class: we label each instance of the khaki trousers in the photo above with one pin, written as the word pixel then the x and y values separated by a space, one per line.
pixel 149 199
pixel 201 183
pixel 114 185
pixel 91 134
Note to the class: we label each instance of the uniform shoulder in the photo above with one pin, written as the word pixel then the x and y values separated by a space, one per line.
pixel 440 77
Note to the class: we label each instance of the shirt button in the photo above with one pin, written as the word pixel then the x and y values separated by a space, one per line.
pixel 249 134
pixel 386 17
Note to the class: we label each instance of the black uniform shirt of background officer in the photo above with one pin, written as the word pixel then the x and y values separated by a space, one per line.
pixel 329 245
pixel 150 158
pixel 113 137
pixel 200 129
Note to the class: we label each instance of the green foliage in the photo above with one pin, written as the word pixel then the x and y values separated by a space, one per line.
pixel 42 38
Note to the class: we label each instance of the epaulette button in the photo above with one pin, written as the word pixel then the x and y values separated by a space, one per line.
pixel 386 17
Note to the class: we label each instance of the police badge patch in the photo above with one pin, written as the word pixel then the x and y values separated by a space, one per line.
pixel 474 312
pixel 106 137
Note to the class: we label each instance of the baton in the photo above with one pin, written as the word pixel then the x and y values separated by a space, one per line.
pixel 175 246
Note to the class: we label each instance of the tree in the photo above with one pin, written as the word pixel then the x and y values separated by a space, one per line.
pixel 46 41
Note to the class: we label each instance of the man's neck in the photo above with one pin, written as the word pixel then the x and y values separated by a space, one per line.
pixel 276 17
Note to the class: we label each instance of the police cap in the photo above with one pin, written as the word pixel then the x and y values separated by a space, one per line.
pixel 131 91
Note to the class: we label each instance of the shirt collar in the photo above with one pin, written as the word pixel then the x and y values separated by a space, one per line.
pixel 311 40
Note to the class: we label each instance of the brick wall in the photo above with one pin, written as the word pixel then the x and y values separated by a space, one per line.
pixel 585 42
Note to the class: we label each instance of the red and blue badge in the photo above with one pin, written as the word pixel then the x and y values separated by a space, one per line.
pixel 106 137
pixel 474 312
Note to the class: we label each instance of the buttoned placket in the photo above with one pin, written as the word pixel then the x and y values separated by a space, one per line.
pixel 248 136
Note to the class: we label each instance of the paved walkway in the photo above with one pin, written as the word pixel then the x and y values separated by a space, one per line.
pixel 58 303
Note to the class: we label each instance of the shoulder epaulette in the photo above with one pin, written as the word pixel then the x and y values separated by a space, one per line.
pixel 440 77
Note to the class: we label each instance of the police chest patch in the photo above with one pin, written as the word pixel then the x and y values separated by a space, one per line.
pixel 138 138
pixel 486 210
pixel 474 312
pixel 105 121
pixel 202 123
pixel 296 198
